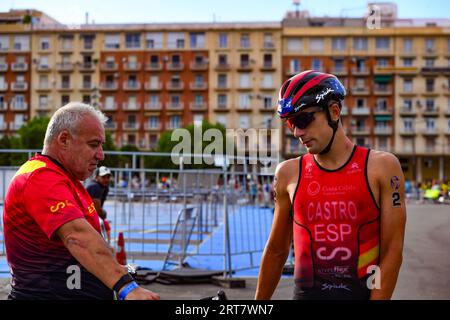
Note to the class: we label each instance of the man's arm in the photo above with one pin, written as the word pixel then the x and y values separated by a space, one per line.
pixel 98 207
pixel 393 220
pixel 89 248
pixel 279 242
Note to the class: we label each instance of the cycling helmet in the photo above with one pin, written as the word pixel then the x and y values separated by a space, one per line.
pixel 307 89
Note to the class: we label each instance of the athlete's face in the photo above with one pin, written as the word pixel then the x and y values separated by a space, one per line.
pixel 317 134
pixel 85 148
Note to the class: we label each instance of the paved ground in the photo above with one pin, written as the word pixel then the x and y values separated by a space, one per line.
pixel 424 274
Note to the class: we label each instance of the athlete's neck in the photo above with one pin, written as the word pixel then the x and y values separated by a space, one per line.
pixel 339 153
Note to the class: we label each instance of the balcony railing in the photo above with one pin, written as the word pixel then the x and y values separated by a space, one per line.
pixel 360 71
pixel 175 66
pixel 19 106
pixel 407 111
pixel 109 86
pixel 111 125
pixel 3 106
pixel 360 111
pixel 14 126
pixel 223 66
pixel 359 91
pixel 383 111
pixel 64 66
pixel 3 67
pixel 198 106
pixel 109 66
pixel 131 85
pixel 87 86
pixel 19 86
pixel 245 66
pixel 153 66
pixel 152 126
pixel 174 86
pixel 153 106
pixel 131 126
pixel 19 66
pixel 110 106
pixel 153 86
pixel 175 105
pixel 65 86
pixel 339 71
pixel 87 66
pixel 131 66
pixel 131 106
pixel 431 111
pixel 380 90
pixel 383 130
pixel 199 65
pixel 197 85
pixel 360 131
pixel 3 86
pixel 430 131
pixel 407 131
pixel 43 67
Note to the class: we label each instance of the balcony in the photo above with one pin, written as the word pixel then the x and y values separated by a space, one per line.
pixel 384 70
pixel 65 86
pixel 357 91
pixel 360 111
pixel 175 86
pixel 197 85
pixel 109 86
pixel 244 109
pixel 109 66
pixel 130 126
pixel 361 131
pixel 132 66
pixel 153 66
pixel 110 106
pixel 111 125
pixel 64 66
pixel 431 111
pixel 381 90
pixel 198 106
pixel 222 67
pixel 245 66
pixel 430 132
pixel 3 106
pixel 3 86
pixel 292 72
pixel 65 48
pixel 3 67
pixel 199 65
pixel 19 86
pixel 430 52
pixel 14 126
pixel 379 111
pixel 44 86
pixel 87 67
pixel 222 86
pixel 364 71
pixel 19 106
pixel 153 86
pixel 268 66
pixel 3 126
pixel 131 106
pixel 153 106
pixel 175 106
pixel 19 66
pixel 43 68
pixel 408 131
pixel 269 109
pixel 339 71
pixel 344 111
pixel 87 86
pixel 268 86
pixel 175 66
pixel 406 111
pixel 131 85
pixel 44 107
pixel 148 126
pixel 383 130
pixel 221 108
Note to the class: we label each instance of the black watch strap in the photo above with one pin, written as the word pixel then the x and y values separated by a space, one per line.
pixel 125 279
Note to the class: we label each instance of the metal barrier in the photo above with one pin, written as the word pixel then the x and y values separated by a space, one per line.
pixel 232 207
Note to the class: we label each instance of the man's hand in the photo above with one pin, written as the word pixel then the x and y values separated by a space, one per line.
pixel 142 294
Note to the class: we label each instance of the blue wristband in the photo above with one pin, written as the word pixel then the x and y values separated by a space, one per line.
pixel 127 289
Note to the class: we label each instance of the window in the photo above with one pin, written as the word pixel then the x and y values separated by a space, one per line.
pixel 244 122
pixel 382 104
pixel 223 60
pixel 429 45
pixel 360 103
pixel 43 62
pixel 153 122
pixel 339 44
pixel 429 84
pixel 223 40
pixel 44 43
pixel 197 40
pixel 43 81
pixel 294 65
pixel 112 41
pixel 222 100
pixel 430 124
pixel 408 125
pixel 65 99
pixel 295 45
pixel 407 62
pixel 132 102
pixel 86 99
pixel 244 101
pixel 222 119
pixel 360 43
pixel 407 104
pixel 245 40
pixel 43 101
pixel 132 40
pixel 267 81
pixel 175 122
pixel 109 102
pixel 198 99
pixel 268 41
pixel 154 40
pixel 4 42
pixel 175 40
pixel 316 64
pixel 245 60
pixel 382 62
pixel 22 43
pixel 199 79
pixel 268 60
pixel 407 85
pixel 316 44
pixel 407 45
pixel 222 80
pixel 429 63
pixel 382 43
pixel 65 81
pixel 339 65
pixel 244 80
pixel 88 42
pixel 268 103
pixel 429 104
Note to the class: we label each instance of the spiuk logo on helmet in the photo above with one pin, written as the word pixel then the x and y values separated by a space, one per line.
pixel 284 107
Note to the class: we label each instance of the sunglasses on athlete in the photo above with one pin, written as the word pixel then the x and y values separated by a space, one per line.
pixel 302 120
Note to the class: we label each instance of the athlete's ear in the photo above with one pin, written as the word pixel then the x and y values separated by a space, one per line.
pixel 334 110
pixel 63 139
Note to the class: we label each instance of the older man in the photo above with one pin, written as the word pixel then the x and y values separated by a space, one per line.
pixel 52 233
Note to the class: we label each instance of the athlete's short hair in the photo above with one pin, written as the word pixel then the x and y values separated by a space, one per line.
pixel 69 118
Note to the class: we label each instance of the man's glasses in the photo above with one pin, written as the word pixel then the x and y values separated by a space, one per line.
pixel 302 120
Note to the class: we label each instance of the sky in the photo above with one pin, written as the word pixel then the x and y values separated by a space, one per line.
pixel 139 11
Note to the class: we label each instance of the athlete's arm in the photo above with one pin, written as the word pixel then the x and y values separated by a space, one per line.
pixel 91 251
pixel 393 220
pixel 278 244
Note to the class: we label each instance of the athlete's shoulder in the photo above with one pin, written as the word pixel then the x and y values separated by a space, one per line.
pixel 384 161
pixel 287 167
